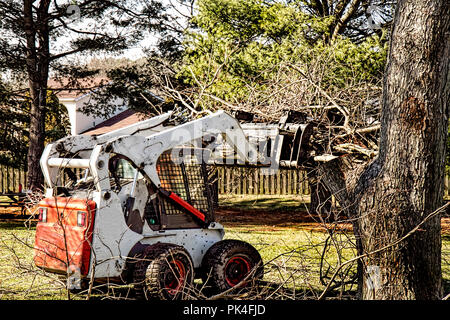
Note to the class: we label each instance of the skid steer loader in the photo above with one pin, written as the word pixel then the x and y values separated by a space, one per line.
pixel 136 206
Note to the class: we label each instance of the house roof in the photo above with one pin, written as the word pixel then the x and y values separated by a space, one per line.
pixel 67 89
pixel 121 120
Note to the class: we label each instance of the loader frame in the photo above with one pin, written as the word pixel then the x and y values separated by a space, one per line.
pixel 113 241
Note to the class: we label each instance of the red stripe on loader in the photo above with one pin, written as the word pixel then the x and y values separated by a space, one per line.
pixel 187 206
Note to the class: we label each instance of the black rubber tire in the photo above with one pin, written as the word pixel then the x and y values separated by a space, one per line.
pixel 165 272
pixel 227 263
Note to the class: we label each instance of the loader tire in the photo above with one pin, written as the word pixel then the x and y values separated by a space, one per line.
pixel 228 263
pixel 165 272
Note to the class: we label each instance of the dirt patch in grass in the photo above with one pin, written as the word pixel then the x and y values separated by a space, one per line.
pixel 271 220
pixel 262 217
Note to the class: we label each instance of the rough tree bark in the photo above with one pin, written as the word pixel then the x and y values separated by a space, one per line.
pixel 37 57
pixel 395 192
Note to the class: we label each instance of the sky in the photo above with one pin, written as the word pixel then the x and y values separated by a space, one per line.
pixel 150 41
pixel 133 53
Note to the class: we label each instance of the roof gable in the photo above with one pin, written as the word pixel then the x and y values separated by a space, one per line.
pixel 121 120
pixel 66 89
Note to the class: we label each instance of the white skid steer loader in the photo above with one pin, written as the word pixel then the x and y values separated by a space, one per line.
pixel 136 206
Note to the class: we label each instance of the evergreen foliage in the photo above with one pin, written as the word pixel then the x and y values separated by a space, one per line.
pixel 238 46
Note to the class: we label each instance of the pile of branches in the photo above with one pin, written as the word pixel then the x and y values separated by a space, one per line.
pixel 346 117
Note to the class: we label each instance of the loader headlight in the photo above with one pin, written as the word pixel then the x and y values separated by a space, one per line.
pixel 42 214
pixel 81 218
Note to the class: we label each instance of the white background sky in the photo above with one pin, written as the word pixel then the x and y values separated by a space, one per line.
pixel 133 53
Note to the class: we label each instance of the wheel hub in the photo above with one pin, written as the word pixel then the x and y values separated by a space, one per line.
pixel 236 270
pixel 174 278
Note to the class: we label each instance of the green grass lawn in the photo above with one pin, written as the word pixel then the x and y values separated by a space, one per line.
pixel 291 255
pixel 19 278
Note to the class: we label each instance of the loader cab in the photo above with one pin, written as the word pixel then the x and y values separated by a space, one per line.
pixel 183 173
pixel 122 172
pixel 192 185
pixel 190 179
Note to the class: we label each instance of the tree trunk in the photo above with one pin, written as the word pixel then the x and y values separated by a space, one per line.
pixel 404 185
pixel 320 204
pixel 38 55
pixel 36 142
